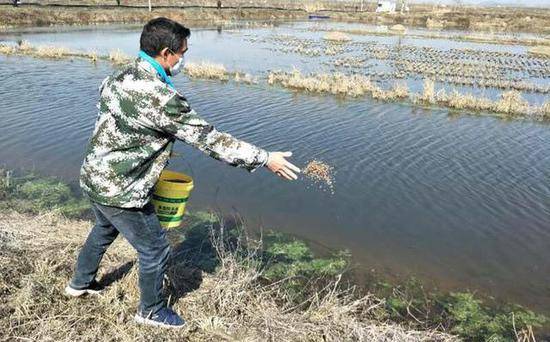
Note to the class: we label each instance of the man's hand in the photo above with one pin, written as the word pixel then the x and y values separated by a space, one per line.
pixel 279 165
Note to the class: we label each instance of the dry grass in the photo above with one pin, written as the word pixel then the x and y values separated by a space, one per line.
pixel 398 28
pixel 24 45
pixel 434 24
pixel 399 91
pixel 457 100
pixel 245 78
pixel 541 50
pixel 118 57
pixel 7 49
pixel 38 253
pixel 93 56
pixel 337 84
pixel 207 70
pixel 510 103
pixel 428 92
pixel 313 6
pixel 544 111
pixel 204 70
pixel 336 37
pixel 52 52
pixel 25 48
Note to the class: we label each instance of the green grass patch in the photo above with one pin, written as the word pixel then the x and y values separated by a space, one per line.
pixel 291 261
pixel 470 316
pixel 32 193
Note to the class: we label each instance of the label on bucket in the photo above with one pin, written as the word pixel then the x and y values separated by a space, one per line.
pixel 163 218
pixel 166 210
pixel 170 200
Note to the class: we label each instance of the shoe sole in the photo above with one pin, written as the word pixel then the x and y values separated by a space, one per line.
pixel 69 291
pixel 146 321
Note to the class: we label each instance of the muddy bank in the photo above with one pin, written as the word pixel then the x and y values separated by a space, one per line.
pixel 225 283
pixel 228 304
pixel 472 18
pixel 61 15
pixel 214 280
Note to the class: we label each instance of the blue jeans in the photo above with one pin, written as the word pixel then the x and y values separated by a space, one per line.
pixel 141 227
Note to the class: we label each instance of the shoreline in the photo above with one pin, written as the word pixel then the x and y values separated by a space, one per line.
pixel 225 283
pixel 228 303
pixel 482 19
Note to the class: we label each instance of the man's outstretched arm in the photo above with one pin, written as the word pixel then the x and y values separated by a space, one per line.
pixel 180 120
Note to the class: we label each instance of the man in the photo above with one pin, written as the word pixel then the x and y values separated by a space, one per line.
pixel 140 116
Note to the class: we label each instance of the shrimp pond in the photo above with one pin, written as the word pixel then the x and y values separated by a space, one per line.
pixel 457 199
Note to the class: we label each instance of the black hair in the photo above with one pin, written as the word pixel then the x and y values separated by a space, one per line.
pixel 160 33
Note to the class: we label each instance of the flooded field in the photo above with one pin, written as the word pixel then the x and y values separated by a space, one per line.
pixel 459 201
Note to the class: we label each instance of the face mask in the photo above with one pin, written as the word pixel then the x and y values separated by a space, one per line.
pixel 174 70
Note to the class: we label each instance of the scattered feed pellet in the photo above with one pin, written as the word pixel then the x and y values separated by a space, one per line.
pixel 321 173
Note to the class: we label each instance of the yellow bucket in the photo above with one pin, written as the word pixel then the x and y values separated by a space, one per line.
pixel 170 196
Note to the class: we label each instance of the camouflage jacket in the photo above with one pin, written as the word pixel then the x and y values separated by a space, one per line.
pixel 139 119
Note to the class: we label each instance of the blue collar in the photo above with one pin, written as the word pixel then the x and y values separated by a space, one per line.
pixel 165 78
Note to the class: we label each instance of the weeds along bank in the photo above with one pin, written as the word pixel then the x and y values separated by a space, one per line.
pixel 227 285
pixel 509 105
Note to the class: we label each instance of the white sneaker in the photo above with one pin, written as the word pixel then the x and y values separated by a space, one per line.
pixel 94 289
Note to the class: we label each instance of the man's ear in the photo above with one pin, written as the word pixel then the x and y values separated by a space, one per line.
pixel 164 52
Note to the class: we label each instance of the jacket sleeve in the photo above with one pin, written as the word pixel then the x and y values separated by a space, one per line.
pixel 178 119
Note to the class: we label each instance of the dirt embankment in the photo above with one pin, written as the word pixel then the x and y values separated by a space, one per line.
pixel 494 19
pixel 46 16
pixel 44 13
pixel 37 255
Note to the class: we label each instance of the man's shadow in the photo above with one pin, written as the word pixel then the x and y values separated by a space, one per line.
pixel 192 254
pixel 193 251
pixel 117 273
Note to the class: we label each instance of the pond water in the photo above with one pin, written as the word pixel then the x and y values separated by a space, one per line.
pixel 459 202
